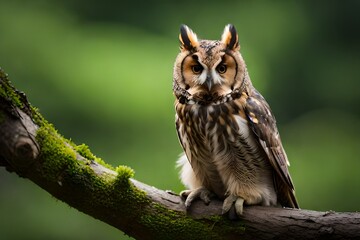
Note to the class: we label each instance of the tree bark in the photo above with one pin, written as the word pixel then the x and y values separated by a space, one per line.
pixel 31 147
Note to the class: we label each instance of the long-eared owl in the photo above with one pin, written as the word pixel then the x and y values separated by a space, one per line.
pixel 226 128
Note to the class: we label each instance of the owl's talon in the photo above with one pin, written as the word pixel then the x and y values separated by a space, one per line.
pixel 184 194
pixel 228 202
pixel 191 195
pixel 238 204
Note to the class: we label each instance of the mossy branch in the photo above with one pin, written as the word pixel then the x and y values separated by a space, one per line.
pixel 32 148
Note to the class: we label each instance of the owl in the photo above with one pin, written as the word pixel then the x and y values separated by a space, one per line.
pixel 232 147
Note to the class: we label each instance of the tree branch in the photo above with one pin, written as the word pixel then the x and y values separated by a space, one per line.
pixel 31 147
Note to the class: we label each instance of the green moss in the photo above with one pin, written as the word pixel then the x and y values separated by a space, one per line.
pixel 167 222
pixel 124 173
pixel 133 195
pixel 59 164
pixel 7 91
pixel 84 151
pixel 37 117
pixel 59 161
pixel 56 156
pixel 102 162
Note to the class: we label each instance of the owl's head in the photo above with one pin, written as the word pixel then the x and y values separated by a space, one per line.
pixel 207 70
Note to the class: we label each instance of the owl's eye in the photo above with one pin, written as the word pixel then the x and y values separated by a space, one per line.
pixel 221 68
pixel 197 69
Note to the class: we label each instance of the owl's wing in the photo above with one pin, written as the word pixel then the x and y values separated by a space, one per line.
pixel 263 124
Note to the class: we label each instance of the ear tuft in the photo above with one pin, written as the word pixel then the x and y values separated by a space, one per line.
pixel 188 38
pixel 230 38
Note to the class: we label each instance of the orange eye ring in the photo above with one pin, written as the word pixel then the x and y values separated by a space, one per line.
pixel 221 68
pixel 197 69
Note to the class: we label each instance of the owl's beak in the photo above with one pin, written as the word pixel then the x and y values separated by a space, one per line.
pixel 209 81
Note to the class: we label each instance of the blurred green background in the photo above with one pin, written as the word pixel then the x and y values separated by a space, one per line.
pixel 101 72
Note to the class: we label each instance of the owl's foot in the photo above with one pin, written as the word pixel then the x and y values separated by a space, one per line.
pixel 191 195
pixel 231 200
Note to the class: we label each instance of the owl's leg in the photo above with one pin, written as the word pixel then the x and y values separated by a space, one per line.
pixel 198 193
pixel 238 204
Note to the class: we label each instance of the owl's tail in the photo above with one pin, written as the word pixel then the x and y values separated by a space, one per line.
pixel 285 194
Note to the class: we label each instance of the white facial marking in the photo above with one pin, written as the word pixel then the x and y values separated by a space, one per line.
pixel 215 75
pixel 202 78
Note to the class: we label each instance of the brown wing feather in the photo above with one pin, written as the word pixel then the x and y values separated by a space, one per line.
pixel 263 124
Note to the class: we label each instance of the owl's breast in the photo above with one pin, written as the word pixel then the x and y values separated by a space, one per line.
pixel 202 130
pixel 221 147
pixel 204 127
pixel 194 126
